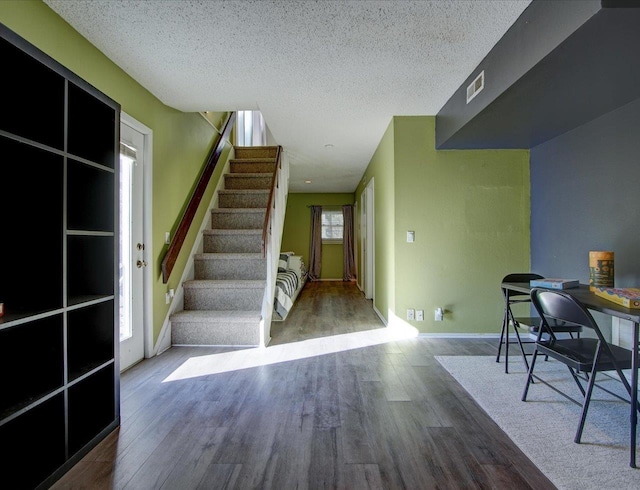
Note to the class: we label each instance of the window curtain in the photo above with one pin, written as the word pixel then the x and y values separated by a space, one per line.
pixel 349 265
pixel 315 252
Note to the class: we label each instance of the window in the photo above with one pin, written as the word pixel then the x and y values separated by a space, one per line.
pixel 250 129
pixel 332 226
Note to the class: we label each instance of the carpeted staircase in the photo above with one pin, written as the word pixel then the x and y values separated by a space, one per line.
pixel 222 304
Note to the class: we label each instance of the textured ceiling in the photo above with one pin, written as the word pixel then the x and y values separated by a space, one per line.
pixel 321 72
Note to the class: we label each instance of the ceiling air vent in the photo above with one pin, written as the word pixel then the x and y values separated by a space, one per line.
pixel 475 87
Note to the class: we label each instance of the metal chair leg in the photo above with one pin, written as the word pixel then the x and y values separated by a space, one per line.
pixel 502 335
pixel 515 329
pixel 530 375
pixel 585 405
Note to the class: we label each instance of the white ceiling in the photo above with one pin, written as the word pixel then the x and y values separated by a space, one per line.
pixel 321 72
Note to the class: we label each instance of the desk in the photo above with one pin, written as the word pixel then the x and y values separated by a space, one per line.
pixel 596 303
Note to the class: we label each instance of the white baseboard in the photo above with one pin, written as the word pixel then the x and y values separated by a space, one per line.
pixel 384 320
pixel 465 336
pixel 459 335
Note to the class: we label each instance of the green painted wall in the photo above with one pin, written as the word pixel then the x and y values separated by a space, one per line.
pixel 181 140
pixel 297 230
pixel 470 213
pixel 381 170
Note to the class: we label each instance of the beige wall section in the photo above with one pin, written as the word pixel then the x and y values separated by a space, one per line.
pixel 470 213
pixel 381 169
pixel 181 140
pixel 297 230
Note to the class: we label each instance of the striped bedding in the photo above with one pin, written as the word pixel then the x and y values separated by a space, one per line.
pixel 286 285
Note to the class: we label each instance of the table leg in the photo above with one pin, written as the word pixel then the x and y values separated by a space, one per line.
pixel 634 395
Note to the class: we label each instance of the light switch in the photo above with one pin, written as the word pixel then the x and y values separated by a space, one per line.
pixel 411 236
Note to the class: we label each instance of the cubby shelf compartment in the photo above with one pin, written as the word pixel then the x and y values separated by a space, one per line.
pixel 88 188
pixel 94 395
pixel 34 107
pixel 90 339
pixel 94 141
pixel 31 360
pixel 34 444
pixel 90 270
pixel 31 257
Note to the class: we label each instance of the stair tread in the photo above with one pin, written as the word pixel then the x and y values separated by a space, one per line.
pixel 229 316
pixel 244 191
pixel 238 231
pixel 229 255
pixel 249 175
pixel 225 283
pixel 239 211
pixel 253 160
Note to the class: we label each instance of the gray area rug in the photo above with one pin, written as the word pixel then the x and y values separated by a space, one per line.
pixel 544 426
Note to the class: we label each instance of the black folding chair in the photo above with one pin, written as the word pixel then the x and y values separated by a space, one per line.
pixel 533 323
pixel 582 355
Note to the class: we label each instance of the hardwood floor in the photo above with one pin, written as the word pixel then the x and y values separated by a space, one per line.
pixel 333 402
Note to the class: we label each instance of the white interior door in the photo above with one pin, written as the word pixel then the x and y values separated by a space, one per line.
pixel 133 251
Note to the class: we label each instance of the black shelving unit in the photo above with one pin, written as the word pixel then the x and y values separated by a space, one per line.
pixel 59 335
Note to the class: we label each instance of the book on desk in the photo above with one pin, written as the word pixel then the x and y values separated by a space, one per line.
pixel 628 297
pixel 554 283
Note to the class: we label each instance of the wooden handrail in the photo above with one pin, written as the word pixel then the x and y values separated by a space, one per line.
pixel 267 216
pixel 185 223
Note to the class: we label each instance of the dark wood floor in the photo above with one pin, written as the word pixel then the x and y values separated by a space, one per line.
pixel 329 404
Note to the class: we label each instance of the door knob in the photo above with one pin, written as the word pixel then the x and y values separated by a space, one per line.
pixel 141 263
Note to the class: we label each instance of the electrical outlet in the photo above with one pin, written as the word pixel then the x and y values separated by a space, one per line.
pixel 411 314
pixel 439 313
pixel 167 238
pixel 420 315
pixel 167 297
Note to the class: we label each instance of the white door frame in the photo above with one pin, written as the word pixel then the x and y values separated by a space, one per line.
pixel 362 231
pixel 147 228
pixel 369 250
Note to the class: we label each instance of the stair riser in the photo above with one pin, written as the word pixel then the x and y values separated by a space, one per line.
pixel 232 243
pixel 237 221
pixel 255 152
pixel 215 333
pixel 232 200
pixel 252 168
pixel 219 269
pixel 244 182
pixel 243 299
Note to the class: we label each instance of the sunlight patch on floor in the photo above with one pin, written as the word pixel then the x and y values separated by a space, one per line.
pixel 250 358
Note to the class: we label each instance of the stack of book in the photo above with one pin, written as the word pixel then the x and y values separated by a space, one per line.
pixel 553 283
pixel 628 297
